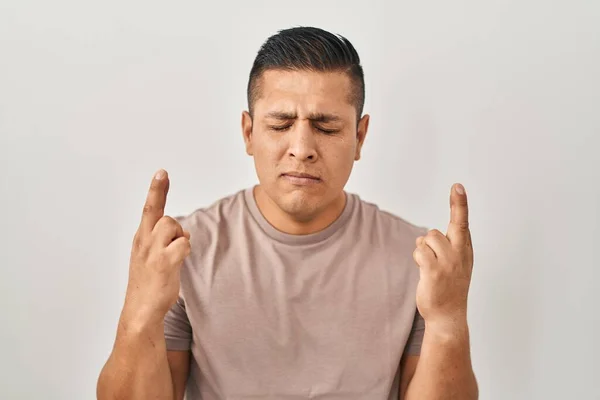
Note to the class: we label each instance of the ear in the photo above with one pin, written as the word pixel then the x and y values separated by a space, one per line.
pixel 361 134
pixel 247 132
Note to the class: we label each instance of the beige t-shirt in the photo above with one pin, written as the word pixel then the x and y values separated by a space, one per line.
pixel 268 315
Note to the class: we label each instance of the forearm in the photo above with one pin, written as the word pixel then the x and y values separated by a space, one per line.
pixel 444 370
pixel 137 367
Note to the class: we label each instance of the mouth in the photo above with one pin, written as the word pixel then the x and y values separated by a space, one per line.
pixel 300 175
pixel 300 178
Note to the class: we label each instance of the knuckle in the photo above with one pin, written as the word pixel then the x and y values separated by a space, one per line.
pixel 416 253
pixel 137 240
pixel 150 208
pixel 419 256
pixel 166 223
pixel 434 233
pixel 139 244
pixel 169 221
pixel 185 244
pixel 463 225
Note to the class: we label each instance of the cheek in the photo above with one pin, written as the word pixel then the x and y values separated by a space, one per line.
pixel 338 160
pixel 267 154
pixel 268 147
pixel 339 152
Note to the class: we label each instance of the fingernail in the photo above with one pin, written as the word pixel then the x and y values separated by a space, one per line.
pixel 159 175
pixel 460 189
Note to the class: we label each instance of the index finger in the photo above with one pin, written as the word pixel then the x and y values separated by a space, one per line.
pixel 154 208
pixel 458 229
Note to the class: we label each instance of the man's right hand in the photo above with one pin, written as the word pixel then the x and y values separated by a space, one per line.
pixel 159 247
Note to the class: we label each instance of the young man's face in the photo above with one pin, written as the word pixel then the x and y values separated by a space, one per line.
pixel 304 138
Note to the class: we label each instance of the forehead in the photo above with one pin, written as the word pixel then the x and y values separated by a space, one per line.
pixel 304 92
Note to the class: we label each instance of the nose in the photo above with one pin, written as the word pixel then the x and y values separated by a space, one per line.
pixel 303 146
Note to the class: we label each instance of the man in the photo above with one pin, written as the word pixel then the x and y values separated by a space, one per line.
pixel 294 288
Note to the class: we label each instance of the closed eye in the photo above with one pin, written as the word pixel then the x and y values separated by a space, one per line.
pixel 280 128
pixel 327 131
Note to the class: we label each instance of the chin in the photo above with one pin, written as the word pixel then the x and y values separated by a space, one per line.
pixel 301 203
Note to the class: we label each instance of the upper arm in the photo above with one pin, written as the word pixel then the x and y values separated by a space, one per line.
pixel 179 364
pixel 412 351
pixel 178 337
pixel 408 366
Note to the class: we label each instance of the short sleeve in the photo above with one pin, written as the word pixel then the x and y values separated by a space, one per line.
pixel 415 339
pixel 178 331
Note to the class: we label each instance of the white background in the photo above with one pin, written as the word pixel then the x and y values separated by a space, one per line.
pixel 502 96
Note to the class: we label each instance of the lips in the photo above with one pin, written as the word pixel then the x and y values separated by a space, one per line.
pixel 300 175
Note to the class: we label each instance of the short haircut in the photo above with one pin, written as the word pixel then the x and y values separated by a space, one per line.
pixel 311 49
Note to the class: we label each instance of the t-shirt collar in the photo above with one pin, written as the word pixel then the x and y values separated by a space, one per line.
pixel 291 239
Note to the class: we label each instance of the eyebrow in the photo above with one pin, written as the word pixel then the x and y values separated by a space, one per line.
pixel 315 117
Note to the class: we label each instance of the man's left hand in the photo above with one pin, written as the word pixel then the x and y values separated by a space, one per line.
pixel 446 264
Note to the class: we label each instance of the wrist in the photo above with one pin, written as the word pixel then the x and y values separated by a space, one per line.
pixel 138 318
pixel 136 332
pixel 448 328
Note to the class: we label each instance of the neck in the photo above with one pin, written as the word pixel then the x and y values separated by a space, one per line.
pixel 289 224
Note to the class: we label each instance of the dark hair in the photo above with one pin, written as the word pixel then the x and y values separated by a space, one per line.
pixel 308 48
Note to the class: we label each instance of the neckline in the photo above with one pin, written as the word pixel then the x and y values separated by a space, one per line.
pixel 292 239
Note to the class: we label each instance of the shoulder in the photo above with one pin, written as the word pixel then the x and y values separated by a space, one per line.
pixel 394 239
pixel 206 222
pixel 389 223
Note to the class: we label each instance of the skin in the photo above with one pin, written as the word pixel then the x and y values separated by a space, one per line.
pixel 303 123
